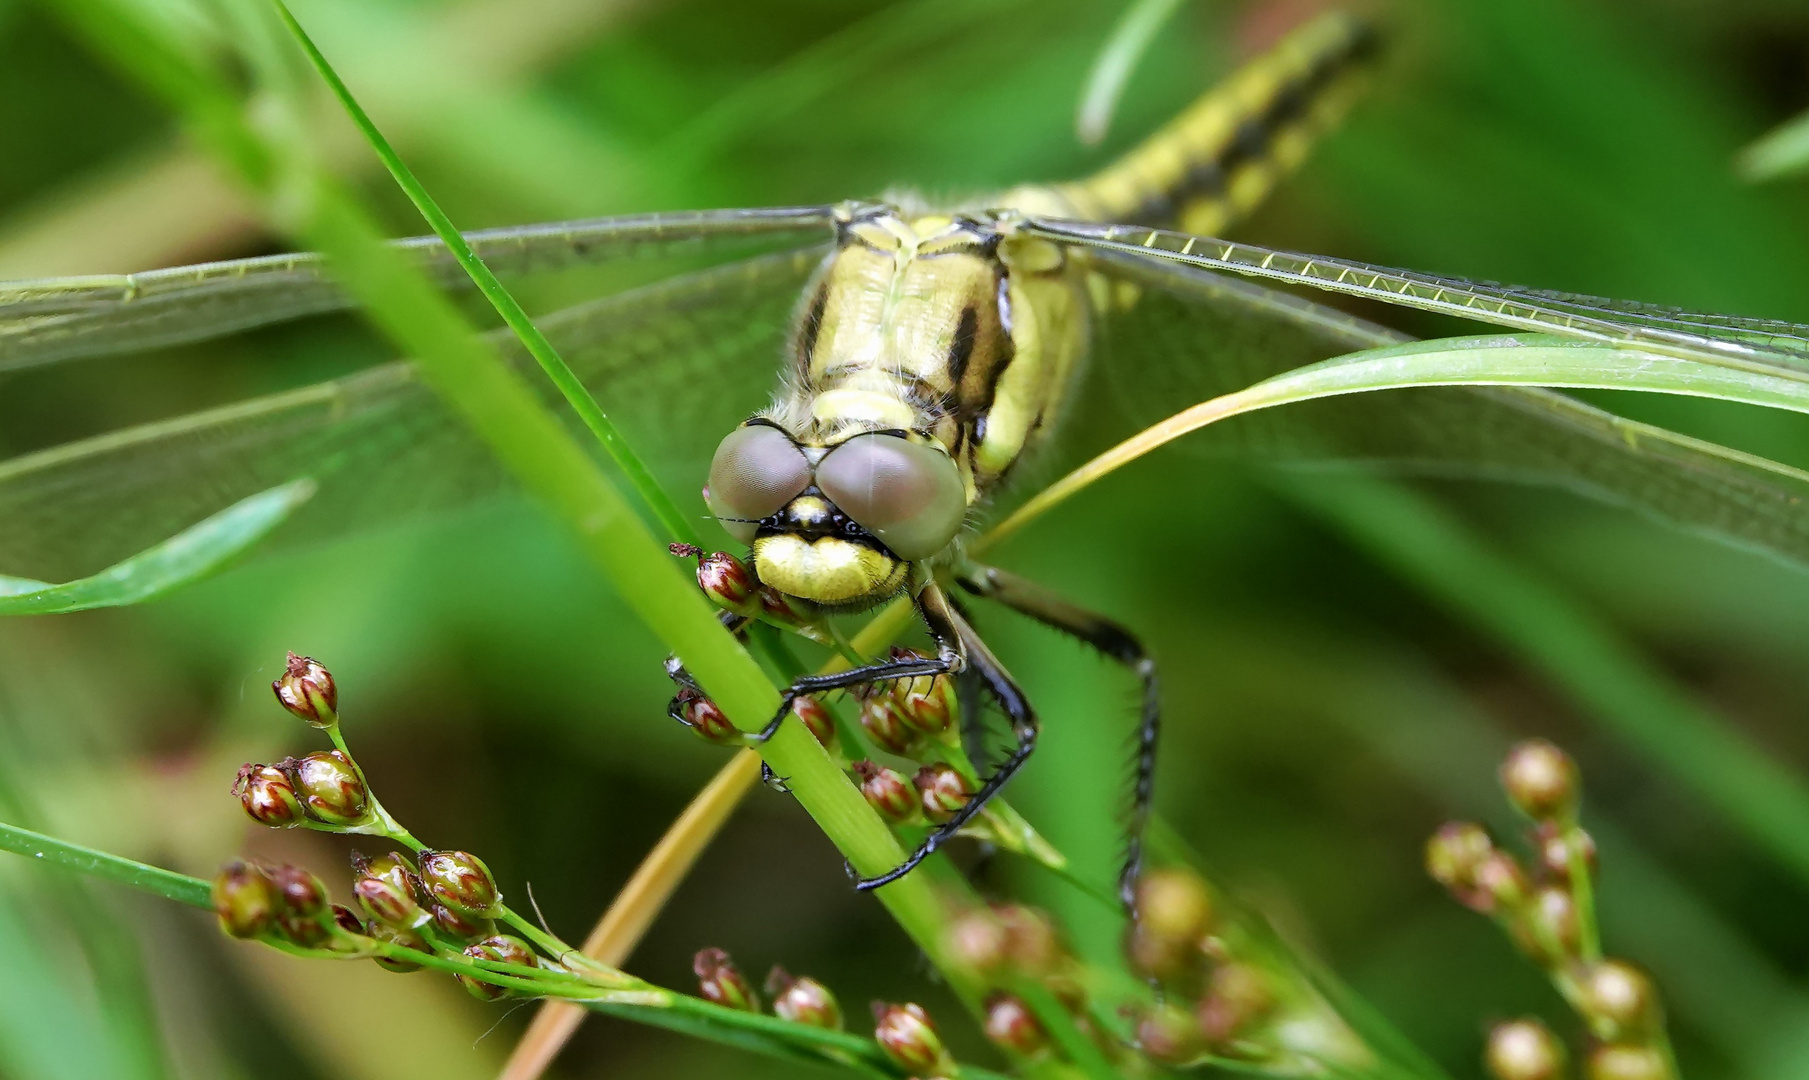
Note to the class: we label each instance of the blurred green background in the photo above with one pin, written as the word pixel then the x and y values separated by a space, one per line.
pixel 1344 662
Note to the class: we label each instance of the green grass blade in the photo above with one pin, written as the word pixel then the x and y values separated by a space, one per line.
pixel 186 557
pixel 83 860
pixel 1130 39
pixel 1519 360
pixel 1577 652
pixel 1782 151
pixel 580 399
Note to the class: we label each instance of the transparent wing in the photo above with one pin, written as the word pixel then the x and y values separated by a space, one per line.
pixel 676 364
pixel 1178 335
pixel 1777 348
pixel 63 318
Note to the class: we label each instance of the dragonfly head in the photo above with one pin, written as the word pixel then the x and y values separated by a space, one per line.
pixel 838 525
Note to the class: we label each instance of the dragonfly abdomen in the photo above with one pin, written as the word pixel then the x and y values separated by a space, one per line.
pixel 1215 162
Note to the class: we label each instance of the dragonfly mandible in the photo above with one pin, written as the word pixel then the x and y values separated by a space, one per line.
pixel 930 355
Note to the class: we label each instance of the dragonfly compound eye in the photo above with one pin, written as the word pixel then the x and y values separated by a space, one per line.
pixel 909 496
pixel 756 471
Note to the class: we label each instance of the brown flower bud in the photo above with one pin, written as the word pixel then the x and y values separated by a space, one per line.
pixel 942 791
pixel 978 939
pixel 306 689
pixel 454 924
pixel 1011 1024
pixel 1550 923
pixel 266 794
pixel 330 788
pixel 704 717
pixel 1454 852
pixel 1618 999
pixel 500 948
pixel 720 981
pixel 245 900
pixel 1238 996
pixel 1174 903
pixel 388 890
pixel 304 903
pixel 1031 941
pixel 393 935
pixel 1168 1034
pixel 803 1000
pixel 910 1039
pixel 1554 843
pixel 1628 1063
pixel 923 703
pixel 1524 1050
pixel 1541 781
pixel 347 919
pixel 728 583
pixel 459 880
pixel 887 791
pixel 817 719
pixel 883 724
pixel 1501 885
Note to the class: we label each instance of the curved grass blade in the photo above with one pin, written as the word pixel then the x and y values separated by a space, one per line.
pixel 85 860
pixel 1782 151
pixel 1489 361
pixel 675 523
pixel 1130 39
pixel 188 556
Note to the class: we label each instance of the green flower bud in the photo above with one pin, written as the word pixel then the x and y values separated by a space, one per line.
pixel 1169 1035
pixel 330 788
pixel 1501 884
pixel 388 890
pixel 1454 852
pixel 1524 1050
pixel 1628 1063
pixel 1238 996
pixel 501 948
pixel 1554 843
pixel 942 791
pixel 303 905
pixel 887 791
pixel 1541 781
pixel 245 900
pixel 720 981
pixel 459 880
pixel 817 719
pixel 1011 1024
pixel 306 689
pixel 393 935
pixel 803 1000
pixel 266 794
pixel 924 703
pixel 1618 1000
pixel 908 1037
pixel 703 716
pixel 881 721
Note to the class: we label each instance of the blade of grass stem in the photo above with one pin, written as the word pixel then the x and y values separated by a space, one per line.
pixel 1135 31
pixel 85 860
pixel 639 477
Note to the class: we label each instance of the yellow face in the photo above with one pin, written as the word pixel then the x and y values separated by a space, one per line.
pixel 816 561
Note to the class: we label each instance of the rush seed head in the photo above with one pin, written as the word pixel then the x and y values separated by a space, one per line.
pixel 704 717
pixel 909 1038
pixel 978 939
pixel 1554 843
pixel 1551 922
pixel 887 791
pixel 1238 996
pixel 389 892
pixel 1454 852
pixel 459 880
pixel 268 797
pixel 245 900
pixel 306 689
pixel 1541 781
pixel 942 791
pixel 728 583
pixel 817 719
pixel 501 948
pixel 803 1000
pixel 924 703
pixel 394 935
pixel 883 724
pixel 1618 1000
pixel 1524 1050
pixel 1169 1034
pixel 720 981
pixel 1628 1063
pixel 330 788
pixel 1501 883
pixel 1011 1024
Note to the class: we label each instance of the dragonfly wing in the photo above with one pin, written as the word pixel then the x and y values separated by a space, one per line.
pixel 1191 334
pixel 45 321
pixel 1760 345
pixel 676 365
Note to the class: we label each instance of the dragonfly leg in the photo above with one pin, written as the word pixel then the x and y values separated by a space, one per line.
pixel 1114 642
pixel 942 618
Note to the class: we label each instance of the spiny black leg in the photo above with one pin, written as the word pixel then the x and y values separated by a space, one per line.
pixel 1115 642
pixel 806 685
pixel 1023 725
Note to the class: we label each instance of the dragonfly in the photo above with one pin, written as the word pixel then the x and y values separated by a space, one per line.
pixel 933 363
